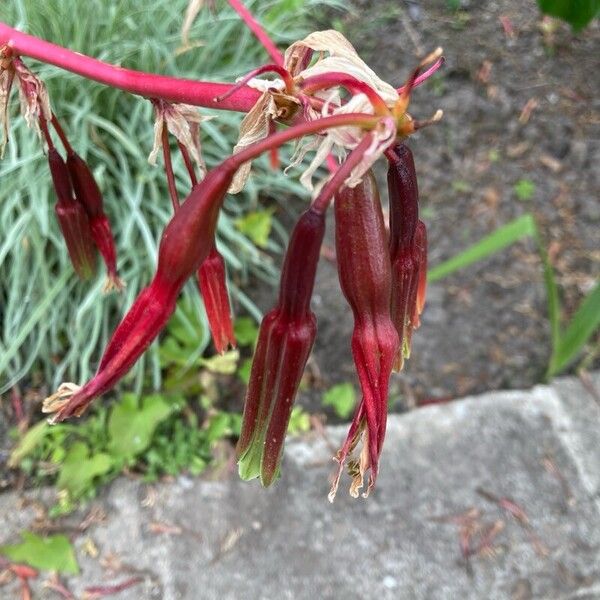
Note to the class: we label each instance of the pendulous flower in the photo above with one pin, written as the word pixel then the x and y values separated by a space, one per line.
pixel 285 339
pixel 72 218
pixel 407 247
pixel 185 243
pixel 89 195
pixel 365 276
pixel 212 282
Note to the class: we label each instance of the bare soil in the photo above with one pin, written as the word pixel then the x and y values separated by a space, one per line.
pixel 518 104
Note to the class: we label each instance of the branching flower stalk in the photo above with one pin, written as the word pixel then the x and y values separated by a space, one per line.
pixel 332 104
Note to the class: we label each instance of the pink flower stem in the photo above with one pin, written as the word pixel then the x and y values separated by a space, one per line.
pixel 45 132
pixel 188 163
pixel 335 183
pixel 149 85
pixel 169 168
pixel 62 135
pixel 255 27
pixel 425 75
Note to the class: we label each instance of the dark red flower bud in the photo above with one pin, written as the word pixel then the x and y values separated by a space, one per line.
pixel 407 247
pixel 90 196
pixel 285 340
pixel 72 218
pixel 212 282
pixel 365 277
pixel 185 243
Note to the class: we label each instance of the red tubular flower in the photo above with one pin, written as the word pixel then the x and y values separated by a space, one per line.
pixel 407 246
pixel 286 336
pixel 72 218
pixel 89 194
pixel 185 243
pixel 365 277
pixel 213 288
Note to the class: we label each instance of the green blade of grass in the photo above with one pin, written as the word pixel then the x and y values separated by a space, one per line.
pixel 494 242
pixel 581 327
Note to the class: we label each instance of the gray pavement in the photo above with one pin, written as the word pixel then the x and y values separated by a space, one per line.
pixel 444 473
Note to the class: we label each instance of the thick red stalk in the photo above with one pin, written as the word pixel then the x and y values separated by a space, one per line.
pixel 256 28
pixel 172 89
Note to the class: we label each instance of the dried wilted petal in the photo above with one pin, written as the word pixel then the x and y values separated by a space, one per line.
pixel 7 76
pixel 191 12
pixel 33 94
pixel 342 58
pixel 182 121
pixel 256 125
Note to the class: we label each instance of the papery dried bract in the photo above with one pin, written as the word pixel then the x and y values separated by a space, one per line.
pixel 183 122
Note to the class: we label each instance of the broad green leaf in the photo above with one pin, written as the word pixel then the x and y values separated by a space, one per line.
pixel 581 327
pixel 224 364
pixel 52 553
pixel 257 226
pixel 299 421
pixel 342 398
pixel 131 425
pixel 223 424
pixel 79 469
pixel 578 13
pixel 244 370
pixel 28 443
pixel 246 331
pixel 494 242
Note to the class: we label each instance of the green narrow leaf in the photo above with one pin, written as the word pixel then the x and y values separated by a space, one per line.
pixel 53 553
pixel 552 298
pixel 28 443
pixel 36 316
pixel 494 242
pixel 581 327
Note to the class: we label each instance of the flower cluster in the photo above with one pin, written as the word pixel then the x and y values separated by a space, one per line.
pixel 331 103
